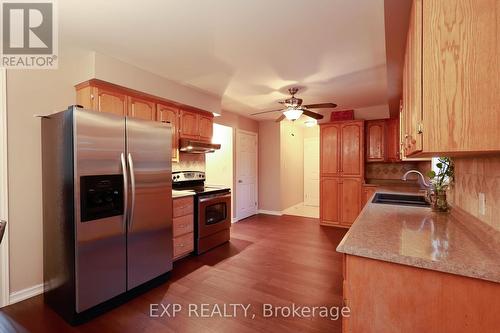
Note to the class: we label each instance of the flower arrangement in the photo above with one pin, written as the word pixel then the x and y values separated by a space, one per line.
pixel 439 183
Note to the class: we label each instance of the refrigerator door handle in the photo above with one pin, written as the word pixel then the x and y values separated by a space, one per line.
pixel 132 185
pixel 125 190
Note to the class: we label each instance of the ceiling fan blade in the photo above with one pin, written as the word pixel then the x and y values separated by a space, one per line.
pixel 254 114
pixel 321 106
pixel 280 118
pixel 312 114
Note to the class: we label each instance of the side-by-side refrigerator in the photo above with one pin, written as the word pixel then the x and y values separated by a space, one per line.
pixel 107 207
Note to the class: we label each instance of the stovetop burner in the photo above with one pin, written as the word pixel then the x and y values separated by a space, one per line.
pixel 194 181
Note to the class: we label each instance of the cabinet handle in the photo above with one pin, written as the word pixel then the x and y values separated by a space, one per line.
pixel 420 128
pixel 99 103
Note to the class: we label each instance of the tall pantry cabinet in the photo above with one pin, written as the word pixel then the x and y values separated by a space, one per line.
pixel 341 172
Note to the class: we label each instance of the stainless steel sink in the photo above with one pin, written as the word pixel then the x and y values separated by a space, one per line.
pixel 400 199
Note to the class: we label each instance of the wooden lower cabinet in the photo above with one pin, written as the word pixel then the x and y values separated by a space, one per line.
pixel 183 245
pixel 367 192
pixel 330 201
pixel 389 297
pixel 350 200
pixel 340 200
pixel 183 226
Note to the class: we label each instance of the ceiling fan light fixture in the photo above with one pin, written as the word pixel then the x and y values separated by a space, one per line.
pixel 311 122
pixel 292 114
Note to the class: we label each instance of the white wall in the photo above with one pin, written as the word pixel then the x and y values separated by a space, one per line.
pixel 219 165
pixel 118 72
pixel 31 92
pixel 292 163
pixel 269 166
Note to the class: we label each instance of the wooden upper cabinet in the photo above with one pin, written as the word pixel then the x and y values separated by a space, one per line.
pixel 111 101
pixel 351 159
pixel 375 141
pixel 451 78
pixel 170 114
pixel 392 140
pixel 206 127
pixel 330 147
pixel 188 124
pixel 414 72
pixel 330 200
pixel 461 75
pixel 141 108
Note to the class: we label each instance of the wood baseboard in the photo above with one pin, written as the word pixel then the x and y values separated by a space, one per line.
pixel 329 224
pixel 269 212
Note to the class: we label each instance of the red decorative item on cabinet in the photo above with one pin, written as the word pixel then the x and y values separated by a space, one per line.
pixel 342 115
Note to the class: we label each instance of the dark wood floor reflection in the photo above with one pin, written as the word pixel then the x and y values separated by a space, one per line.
pixel 276 260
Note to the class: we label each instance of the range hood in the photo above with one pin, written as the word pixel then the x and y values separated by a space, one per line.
pixel 197 147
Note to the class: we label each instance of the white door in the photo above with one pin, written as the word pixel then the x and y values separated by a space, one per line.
pixel 246 174
pixel 311 171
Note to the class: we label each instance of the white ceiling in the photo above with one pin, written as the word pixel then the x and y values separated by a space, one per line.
pixel 246 51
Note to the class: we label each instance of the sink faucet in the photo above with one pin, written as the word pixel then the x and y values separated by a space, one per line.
pixel 421 179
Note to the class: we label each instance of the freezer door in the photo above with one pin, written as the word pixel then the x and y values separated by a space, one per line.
pixel 100 253
pixel 149 238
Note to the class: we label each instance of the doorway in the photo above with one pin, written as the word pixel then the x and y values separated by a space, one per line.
pixel 309 162
pixel 246 174
pixel 311 171
pixel 4 246
pixel 219 165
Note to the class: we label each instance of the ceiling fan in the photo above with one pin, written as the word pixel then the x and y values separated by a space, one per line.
pixel 294 108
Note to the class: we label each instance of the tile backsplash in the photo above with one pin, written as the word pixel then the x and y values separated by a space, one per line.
pixel 189 162
pixel 395 171
pixel 473 176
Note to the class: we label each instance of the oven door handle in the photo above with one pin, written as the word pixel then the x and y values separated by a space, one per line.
pixel 215 197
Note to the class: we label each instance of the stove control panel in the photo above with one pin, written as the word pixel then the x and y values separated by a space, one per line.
pixel 184 176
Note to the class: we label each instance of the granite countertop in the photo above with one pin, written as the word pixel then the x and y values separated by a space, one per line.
pixel 180 194
pixel 418 237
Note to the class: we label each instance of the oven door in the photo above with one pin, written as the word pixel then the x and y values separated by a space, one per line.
pixel 214 214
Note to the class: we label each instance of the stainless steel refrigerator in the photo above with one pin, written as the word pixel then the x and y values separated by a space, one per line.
pixel 107 207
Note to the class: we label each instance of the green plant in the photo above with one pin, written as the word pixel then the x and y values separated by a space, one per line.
pixel 444 176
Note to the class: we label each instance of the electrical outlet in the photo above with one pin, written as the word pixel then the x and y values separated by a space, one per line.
pixel 482 204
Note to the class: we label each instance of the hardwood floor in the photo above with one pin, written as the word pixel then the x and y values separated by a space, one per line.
pixel 270 259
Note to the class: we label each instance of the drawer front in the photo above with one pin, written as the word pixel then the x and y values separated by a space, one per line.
pixel 183 225
pixel 183 206
pixel 183 244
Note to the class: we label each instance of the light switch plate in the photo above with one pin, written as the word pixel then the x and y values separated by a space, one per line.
pixel 482 204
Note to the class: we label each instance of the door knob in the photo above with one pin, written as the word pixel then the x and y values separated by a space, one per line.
pixel 240 181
